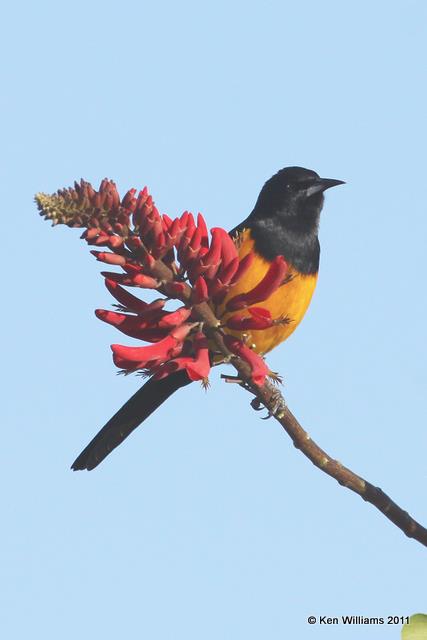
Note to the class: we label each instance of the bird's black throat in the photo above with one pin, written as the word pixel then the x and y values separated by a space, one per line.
pixel 287 228
pixel 301 249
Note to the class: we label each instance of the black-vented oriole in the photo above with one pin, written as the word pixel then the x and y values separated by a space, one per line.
pixel 284 222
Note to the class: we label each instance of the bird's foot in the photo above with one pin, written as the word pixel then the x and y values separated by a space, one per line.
pixel 277 408
pixel 278 404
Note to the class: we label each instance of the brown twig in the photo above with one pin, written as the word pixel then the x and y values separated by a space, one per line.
pixel 343 475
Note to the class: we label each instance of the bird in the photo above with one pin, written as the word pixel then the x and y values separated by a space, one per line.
pixel 284 222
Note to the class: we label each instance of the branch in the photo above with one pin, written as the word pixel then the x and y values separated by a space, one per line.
pixel 269 395
pixel 346 477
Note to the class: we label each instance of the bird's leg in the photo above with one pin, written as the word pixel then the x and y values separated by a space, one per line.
pixel 277 408
pixel 278 402
pixel 278 405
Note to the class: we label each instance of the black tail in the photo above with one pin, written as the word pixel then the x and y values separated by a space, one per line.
pixel 136 410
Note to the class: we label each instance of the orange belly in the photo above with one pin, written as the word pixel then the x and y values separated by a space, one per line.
pixel 291 300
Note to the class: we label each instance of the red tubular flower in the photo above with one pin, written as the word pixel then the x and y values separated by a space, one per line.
pixel 174 364
pixel 159 245
pixel 129 200
pixel 98 199
pixel 197 368
pixel 244 266
pixel 201 224
pixel 187 223
pixel 90 234
pixel 115 242
pixel 226 274
pixel 140 202
pixel 183 219
pixel 200 366
pixel 193 248
pixel 208 260
pixel 219 286
pixel 148 204
pixel 129 365
pixel 102 240
pixel 212 259
pixel 138 280
pixel 173 234
pixel 109 258
pixel 131 268
pixel 126 299
pixel 228 248
pixel 152 233
pixel 166 222
pixel 268 285
pixel 148 318
pixel 261 314
pixel 175 318
pixel 141 213
pixel 258 367
pixel 260 319
pixel 181 332
pixel 156 353
pixel 132 326
pixel 154 310
pixel 142 355
pixel 148 223
pixel 199 291
pixel 217 290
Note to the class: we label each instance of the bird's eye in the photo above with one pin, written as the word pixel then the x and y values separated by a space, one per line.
pixel 289 187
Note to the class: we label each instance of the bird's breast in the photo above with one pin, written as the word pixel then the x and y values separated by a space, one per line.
pixel 288 303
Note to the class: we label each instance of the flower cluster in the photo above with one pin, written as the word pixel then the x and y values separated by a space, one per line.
pixel 181 261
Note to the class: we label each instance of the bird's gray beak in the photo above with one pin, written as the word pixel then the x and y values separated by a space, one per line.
pixel 321 185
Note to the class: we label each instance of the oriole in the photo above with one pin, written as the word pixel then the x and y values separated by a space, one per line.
pixel 284 222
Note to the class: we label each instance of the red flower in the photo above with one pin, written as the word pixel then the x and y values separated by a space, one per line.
pixel 258 367
pixel 197 367
pixel 137 280
pixel 268 285
pixel 200 291
pixel 175 318
pixel 126 299
pixel 260 319
pixel 134 326
pixel 163 350
pixel 109 258
pixel 138 238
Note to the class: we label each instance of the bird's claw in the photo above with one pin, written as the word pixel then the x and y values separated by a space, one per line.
pixel 256 404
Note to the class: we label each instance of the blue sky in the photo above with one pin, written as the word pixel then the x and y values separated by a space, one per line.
pixel 207 523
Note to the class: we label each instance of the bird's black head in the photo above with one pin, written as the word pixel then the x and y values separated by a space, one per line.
pixel 285 218
pixel 293 197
